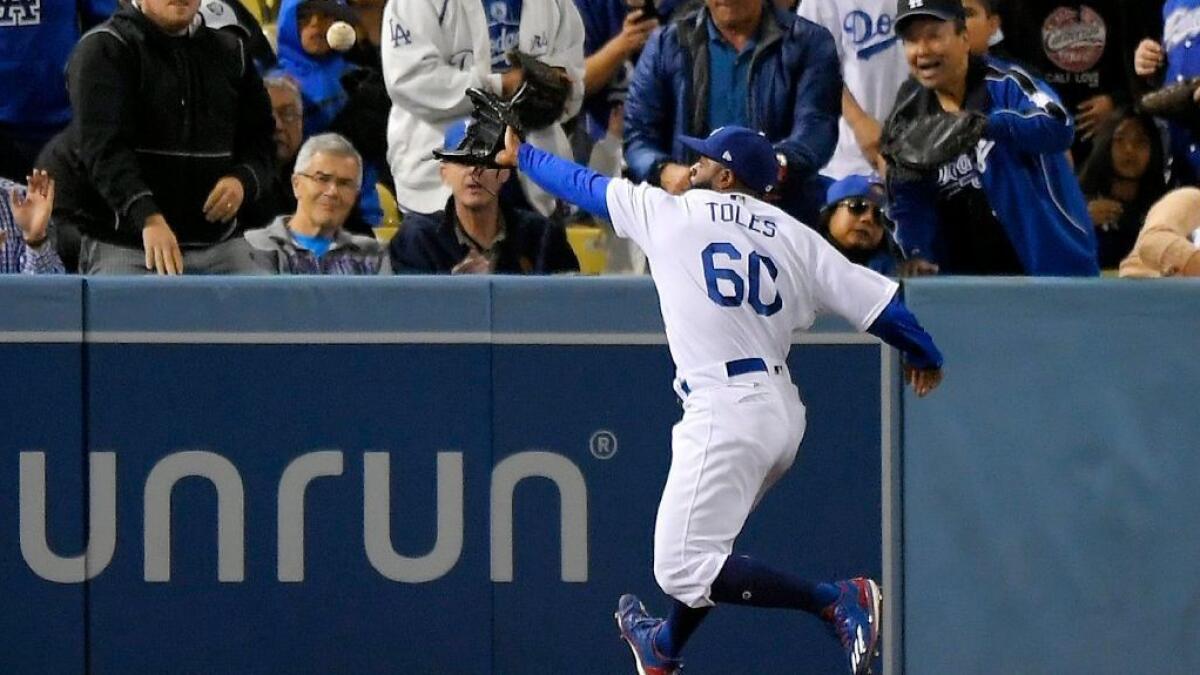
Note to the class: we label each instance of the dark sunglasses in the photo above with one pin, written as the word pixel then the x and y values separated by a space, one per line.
pixel 860 205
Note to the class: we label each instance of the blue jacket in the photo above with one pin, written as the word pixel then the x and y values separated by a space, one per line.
pixel 1023 168
pixel 1181 41
pixel 320 79
pixel 795 95
pixel 33 59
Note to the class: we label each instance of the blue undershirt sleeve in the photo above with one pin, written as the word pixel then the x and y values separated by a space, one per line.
pixel 897 326
pixel 566 180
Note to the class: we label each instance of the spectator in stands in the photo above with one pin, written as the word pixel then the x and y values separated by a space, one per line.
pixel 171 137
pixel 695 75
pixel 478 232
pixel 434 50
pixel 1169 243
pixel 873 68
pixel 326 182
pixel 1082 50
pixel 25 246
pixel 322 73
pixel 1122 178
pixel 1013 205
pixel 984 32
pixel 614 34
pixel 853 221
pixel 278 197
pixel 35 41
pixel 305 55
pixel 1176 57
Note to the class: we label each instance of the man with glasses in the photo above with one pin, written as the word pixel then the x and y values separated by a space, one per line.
pixel 478 232
pixel 313 240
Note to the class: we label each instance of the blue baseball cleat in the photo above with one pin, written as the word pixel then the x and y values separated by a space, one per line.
pixel 638 630
pixel 855 618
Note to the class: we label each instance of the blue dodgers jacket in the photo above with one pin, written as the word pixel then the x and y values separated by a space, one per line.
pixel 795 93
pixel 1023 168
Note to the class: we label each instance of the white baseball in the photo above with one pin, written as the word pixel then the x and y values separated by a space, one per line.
pixel 340 36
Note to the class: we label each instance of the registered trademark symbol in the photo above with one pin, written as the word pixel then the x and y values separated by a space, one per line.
pixel 603 444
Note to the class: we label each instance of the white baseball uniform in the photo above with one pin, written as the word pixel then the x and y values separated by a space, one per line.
pixel 873 67
pixel 735 278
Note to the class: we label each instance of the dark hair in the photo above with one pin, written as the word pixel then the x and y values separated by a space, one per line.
pixel 989 6
pixel 859 256
pixel 1096 174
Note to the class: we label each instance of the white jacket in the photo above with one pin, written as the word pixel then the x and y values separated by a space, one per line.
pixel 433 51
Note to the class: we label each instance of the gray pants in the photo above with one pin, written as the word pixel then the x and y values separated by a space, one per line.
pixel 229 257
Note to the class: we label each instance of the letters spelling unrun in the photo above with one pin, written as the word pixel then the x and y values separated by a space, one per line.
pixel 231 544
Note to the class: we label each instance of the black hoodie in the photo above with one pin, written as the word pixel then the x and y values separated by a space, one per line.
pixel 158 120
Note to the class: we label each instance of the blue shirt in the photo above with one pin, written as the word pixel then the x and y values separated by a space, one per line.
pixel 319 246
pixel 729 78
pixel 504 25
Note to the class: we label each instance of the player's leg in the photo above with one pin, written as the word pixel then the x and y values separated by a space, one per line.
pixel 723 451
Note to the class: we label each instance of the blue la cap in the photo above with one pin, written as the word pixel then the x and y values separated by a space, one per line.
pixel 869 187
pixel 744 151
pixel 455 133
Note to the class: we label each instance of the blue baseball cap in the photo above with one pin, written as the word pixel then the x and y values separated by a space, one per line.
pixel 744 151
pixel 868 187
pixel 455 133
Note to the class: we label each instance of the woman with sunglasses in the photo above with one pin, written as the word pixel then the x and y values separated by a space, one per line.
pixel 853 221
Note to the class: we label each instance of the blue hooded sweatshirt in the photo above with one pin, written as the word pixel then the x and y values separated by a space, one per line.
pixel 319 77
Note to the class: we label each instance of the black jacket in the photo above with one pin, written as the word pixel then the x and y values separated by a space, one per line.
pixel 157 121
pixel 427 243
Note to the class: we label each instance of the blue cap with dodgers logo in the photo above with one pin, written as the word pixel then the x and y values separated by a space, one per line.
pixel 744 151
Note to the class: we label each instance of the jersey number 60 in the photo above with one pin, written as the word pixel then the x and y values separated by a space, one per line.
pixel 754 266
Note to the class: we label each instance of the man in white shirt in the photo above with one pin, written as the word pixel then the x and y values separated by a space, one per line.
pixel 434 50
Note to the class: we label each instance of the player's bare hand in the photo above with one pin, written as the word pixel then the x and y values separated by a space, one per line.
pixel 224 201
pixel 923 381
pixel 31 210
pixel 162 249
pixel 1148 58
pixel 512 145
pixel 1092 113
pixel 917 267
pixel 474 263
pixel 675 178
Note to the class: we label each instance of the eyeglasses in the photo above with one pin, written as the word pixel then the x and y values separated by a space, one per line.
pixel 287 114
pixel 860 205
pixel 325 180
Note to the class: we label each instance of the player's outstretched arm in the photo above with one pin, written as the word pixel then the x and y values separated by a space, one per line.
pixel 562 178
pixel 897 326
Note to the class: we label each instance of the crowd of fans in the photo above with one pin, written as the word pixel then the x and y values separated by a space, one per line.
pixel 272 136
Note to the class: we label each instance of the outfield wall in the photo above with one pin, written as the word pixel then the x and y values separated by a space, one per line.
pixel 460 476
pixel 380 475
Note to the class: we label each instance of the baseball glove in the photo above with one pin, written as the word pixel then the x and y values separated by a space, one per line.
pixel 485 132
pixel 1174 102
pixel 932 140
pixel 542 97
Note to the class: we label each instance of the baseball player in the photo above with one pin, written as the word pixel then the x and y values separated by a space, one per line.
pixel 735 277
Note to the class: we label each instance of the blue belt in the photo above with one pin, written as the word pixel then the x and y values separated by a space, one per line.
pixel 734 368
